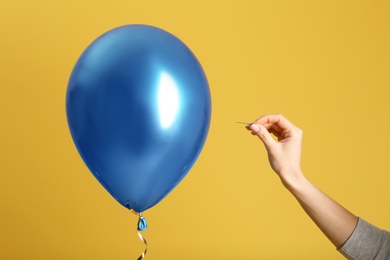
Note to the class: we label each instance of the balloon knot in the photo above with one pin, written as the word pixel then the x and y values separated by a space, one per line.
pixel 142 224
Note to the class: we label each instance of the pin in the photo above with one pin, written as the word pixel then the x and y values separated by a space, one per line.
pixel 244 123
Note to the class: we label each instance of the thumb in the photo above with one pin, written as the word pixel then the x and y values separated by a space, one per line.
pixel 263 135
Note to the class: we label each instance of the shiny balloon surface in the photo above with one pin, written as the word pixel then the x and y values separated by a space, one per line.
pixel 138 108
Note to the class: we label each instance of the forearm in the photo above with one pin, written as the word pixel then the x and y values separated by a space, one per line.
pixel 336 222
pixel 284 156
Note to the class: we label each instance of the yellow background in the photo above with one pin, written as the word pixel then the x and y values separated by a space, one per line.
pixel 324 64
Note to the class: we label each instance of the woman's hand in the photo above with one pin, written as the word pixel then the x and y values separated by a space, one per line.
pixel 284 154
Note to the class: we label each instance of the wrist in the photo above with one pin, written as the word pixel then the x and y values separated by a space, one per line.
pixel 293 180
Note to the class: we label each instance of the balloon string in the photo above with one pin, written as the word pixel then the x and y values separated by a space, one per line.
pixel 146 246
pixel 142 225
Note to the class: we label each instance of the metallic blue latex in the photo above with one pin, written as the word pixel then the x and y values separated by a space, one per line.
pixel 138 107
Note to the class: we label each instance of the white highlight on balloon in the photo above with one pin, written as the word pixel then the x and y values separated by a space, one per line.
pixel 168 100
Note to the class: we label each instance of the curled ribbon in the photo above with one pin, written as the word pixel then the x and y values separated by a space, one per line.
pixel 142 226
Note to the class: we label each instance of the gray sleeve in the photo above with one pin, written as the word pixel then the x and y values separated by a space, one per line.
pixel 367 242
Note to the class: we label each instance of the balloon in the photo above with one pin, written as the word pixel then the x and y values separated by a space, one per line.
pixel 138 107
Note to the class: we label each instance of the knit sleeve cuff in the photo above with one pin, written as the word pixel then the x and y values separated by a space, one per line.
pixel 365 242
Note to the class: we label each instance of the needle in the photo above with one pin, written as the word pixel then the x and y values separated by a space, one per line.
pixel 244 123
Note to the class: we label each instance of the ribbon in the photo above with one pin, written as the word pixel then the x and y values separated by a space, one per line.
pixel 146 246
pixel 141 226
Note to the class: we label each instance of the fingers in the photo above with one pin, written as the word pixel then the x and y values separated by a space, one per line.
pixel 263 134
pixel 277 125
pixel 277 121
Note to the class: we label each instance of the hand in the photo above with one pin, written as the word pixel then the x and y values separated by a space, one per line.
pixel 284 154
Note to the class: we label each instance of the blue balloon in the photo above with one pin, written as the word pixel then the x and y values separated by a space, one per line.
pixel 138 107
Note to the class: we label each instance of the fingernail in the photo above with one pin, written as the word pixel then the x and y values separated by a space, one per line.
pixel 254 127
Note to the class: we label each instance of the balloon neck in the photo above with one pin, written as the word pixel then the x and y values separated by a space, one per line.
pixel 142 223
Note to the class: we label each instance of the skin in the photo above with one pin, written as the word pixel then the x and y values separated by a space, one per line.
pixel 284 156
